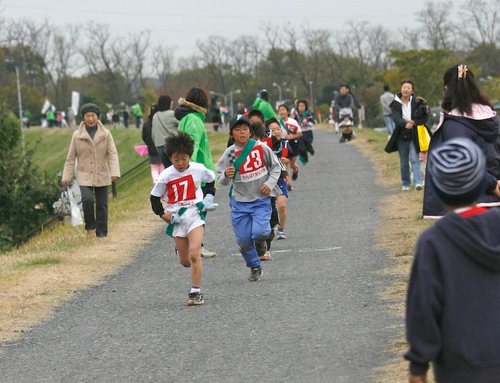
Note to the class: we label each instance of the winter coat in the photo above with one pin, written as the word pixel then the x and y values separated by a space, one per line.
pixel 192 121
pixel 485 133
pixel 453 304
pixel 97 159
pixel 419 114
pixel 264 107
pixel 148 140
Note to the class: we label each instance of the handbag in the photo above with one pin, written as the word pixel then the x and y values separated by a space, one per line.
pixel 62 207
pixel 424 138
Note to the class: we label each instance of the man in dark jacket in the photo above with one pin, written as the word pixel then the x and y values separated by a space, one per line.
pixel 453 305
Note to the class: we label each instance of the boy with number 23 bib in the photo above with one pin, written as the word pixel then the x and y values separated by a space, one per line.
pixel 254 170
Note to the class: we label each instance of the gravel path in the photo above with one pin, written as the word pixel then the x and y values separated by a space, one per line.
pixel 313 317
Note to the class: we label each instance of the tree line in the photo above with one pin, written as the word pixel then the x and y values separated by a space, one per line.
pixel 300 61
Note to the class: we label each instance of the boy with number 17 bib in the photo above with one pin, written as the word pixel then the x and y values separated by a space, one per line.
pixel 254 171
pixel 179 186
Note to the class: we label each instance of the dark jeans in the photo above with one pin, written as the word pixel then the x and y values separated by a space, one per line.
pixel 95 209
pixel 163 156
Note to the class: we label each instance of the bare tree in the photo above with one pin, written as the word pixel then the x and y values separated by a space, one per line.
pixel 437 28
pixel 483 19
pixel 130 58
pixel 163 63
pixel 214 56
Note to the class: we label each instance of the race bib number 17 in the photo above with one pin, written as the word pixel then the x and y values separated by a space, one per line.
pixel 181 189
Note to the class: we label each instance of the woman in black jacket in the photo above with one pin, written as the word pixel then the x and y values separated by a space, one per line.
pixel 154 158
pixel 467 113
pixel 407 112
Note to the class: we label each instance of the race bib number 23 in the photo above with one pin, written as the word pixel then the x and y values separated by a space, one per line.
pixel 254 165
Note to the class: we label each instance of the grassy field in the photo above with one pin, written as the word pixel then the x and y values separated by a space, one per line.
pixel 53 266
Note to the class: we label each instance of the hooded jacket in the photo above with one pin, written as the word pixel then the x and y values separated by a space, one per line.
pixel 265 108
pixel 453 304
pixel 192 121
pixel 97 158
pixel 485 133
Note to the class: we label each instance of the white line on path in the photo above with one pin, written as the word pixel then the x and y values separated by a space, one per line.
pixel 302 250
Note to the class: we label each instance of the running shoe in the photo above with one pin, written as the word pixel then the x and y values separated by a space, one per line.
pixel 418 187
pixel 295 174
pixel 405 188
pixel 195 299
pixel 266 257
pixel 205 253
pixel 280 234
pixel 255 274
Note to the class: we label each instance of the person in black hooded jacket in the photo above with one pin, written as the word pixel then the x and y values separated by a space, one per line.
pixel 466 113
pixel 453 303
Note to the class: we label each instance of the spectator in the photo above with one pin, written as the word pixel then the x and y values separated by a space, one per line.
pixel 453 310
pixel 155 162
pixel 164 124
pixel 466 113
pixel 407 112
pixel 386 99
pixel 92 145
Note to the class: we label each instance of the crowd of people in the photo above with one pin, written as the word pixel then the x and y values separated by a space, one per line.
pixel 259 165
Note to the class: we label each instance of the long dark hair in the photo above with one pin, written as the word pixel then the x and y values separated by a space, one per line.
pixel 461 90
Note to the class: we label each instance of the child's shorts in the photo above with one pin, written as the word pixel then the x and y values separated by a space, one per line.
pixel 190 220
pixel 283 186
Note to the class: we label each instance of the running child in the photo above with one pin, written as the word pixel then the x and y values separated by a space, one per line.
pixel 179 186
pixel 253 171
pixel 292 132
pixel 280 148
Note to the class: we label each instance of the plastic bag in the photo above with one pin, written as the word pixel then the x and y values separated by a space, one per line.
pixel 76 214
pixel 62 207
pixel 423 138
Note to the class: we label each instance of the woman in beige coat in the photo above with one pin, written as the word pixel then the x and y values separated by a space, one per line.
pixel 93 148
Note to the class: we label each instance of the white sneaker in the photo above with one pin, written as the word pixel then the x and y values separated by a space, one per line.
pixel 280 234
pixel 405 188
pixel 418 187
pixel 205 253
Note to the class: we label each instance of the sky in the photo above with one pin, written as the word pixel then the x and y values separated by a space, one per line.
pixel 183 23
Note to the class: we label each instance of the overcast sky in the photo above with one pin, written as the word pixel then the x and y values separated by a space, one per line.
pixel 182 23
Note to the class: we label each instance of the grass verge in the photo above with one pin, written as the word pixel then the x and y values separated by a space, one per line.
pixel 400 224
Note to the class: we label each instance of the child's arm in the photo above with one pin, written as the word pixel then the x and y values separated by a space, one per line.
pixel 157 207
pixel 225 171
pixel 424 308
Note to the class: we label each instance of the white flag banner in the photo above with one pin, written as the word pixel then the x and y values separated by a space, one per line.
pixel 75 102
pixel 45 107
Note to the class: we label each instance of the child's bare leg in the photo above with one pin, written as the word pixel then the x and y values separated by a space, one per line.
pixel 182 246
pixel 195 238
pixel 282 211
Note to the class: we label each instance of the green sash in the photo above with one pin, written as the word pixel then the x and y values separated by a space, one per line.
pixel 239 161
pixel 182 210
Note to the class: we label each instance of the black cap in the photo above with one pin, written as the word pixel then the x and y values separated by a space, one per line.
pixel 86 108
pixel 237 120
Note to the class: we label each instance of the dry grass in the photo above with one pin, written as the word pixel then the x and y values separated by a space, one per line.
pixel 43 274
pixel 399 227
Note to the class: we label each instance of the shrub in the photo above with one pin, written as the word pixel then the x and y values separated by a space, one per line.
pixel 26 195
